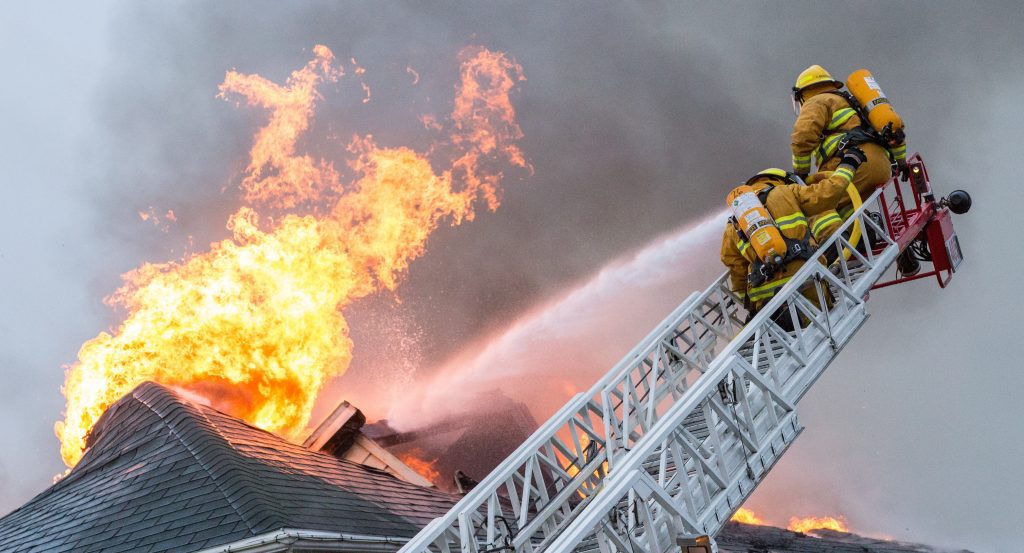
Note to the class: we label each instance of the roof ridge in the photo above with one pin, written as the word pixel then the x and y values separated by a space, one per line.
pixel 168 473
pixel 223 480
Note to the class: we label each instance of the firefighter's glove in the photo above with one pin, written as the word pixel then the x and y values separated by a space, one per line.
pixel 853 156
pixel 751 313
pixel 903 170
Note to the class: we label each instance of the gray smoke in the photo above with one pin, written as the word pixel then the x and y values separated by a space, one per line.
pixel 638 118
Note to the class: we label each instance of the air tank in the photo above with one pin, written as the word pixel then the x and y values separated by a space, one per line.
pixel 757 224
pixel 881 115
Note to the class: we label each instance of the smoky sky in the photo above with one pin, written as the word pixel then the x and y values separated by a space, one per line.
pixel 638 118
pixel 612 169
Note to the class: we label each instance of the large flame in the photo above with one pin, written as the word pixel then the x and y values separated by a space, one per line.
pixel 254 325
pixel 747 516
pixel 574 466
pixel 415 460
pixel 806 525
pixel 810 524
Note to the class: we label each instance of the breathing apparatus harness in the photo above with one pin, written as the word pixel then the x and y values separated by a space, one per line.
pixel 865 132
pixel 762 271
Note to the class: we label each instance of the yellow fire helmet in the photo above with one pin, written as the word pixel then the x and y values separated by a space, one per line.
pixel 781 174
pixel 813 75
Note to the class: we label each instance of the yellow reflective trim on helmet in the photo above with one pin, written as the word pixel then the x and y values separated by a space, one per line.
pixel 824 222
pixel 773 171
pixel 840 117
pixel 813 75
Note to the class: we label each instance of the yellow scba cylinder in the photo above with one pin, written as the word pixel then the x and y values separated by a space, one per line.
pixel 869 95
pixel 756 223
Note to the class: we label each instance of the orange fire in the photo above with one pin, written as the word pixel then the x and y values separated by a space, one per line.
pixel 276 176
pixel 255 325
pixel 573 467
pixel 796 524
pixel 810 524
pixel 427 469
pixel 746 516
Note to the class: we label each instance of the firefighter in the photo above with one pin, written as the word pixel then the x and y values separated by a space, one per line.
pixel 794 208
pixel 825 121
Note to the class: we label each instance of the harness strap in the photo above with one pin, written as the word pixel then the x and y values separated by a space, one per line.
pixel 861 134
pixel 761 272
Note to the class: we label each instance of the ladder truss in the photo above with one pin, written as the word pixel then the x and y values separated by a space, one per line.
pixel 679 433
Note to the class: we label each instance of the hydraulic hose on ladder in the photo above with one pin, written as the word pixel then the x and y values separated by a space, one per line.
pixel 855 199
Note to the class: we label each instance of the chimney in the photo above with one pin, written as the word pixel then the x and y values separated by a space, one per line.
pixel 338 431
pixel 341 435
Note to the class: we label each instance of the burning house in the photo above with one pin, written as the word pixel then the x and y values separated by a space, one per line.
pixel 165 473
pixel 255 328
pixel 458 451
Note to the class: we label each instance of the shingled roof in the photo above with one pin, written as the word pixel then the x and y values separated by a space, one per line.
pixel 746 538
pixel 163 473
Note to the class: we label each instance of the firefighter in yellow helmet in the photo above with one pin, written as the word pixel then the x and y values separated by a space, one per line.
pixel 794 207
pixel 827 121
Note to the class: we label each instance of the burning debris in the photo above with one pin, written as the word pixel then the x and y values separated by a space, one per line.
pixel 456 452
pixel 164 473
pixel 415 459
pixel 340 435
pixel 746 516
pixel 255 324
pixel 805 525
pixel 809 525
pixel 748 538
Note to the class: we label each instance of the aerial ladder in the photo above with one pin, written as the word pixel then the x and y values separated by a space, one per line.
pixel 665 447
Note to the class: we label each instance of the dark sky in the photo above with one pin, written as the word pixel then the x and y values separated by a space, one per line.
pixel 637 118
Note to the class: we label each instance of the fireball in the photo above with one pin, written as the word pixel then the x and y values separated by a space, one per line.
pixel 255 325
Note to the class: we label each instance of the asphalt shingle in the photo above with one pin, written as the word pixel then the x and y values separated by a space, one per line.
pixel 165 474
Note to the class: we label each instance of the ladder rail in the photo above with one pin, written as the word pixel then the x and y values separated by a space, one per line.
pixel 747 437
pixel 506 482
pixel 679 432
pixel 559 441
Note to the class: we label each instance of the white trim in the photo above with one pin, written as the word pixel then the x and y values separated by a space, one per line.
pixel 309 540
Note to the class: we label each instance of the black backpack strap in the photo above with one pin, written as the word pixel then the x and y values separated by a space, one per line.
pixel 865 132
pixel 798 249
pixel 853 103
pixel 739 231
